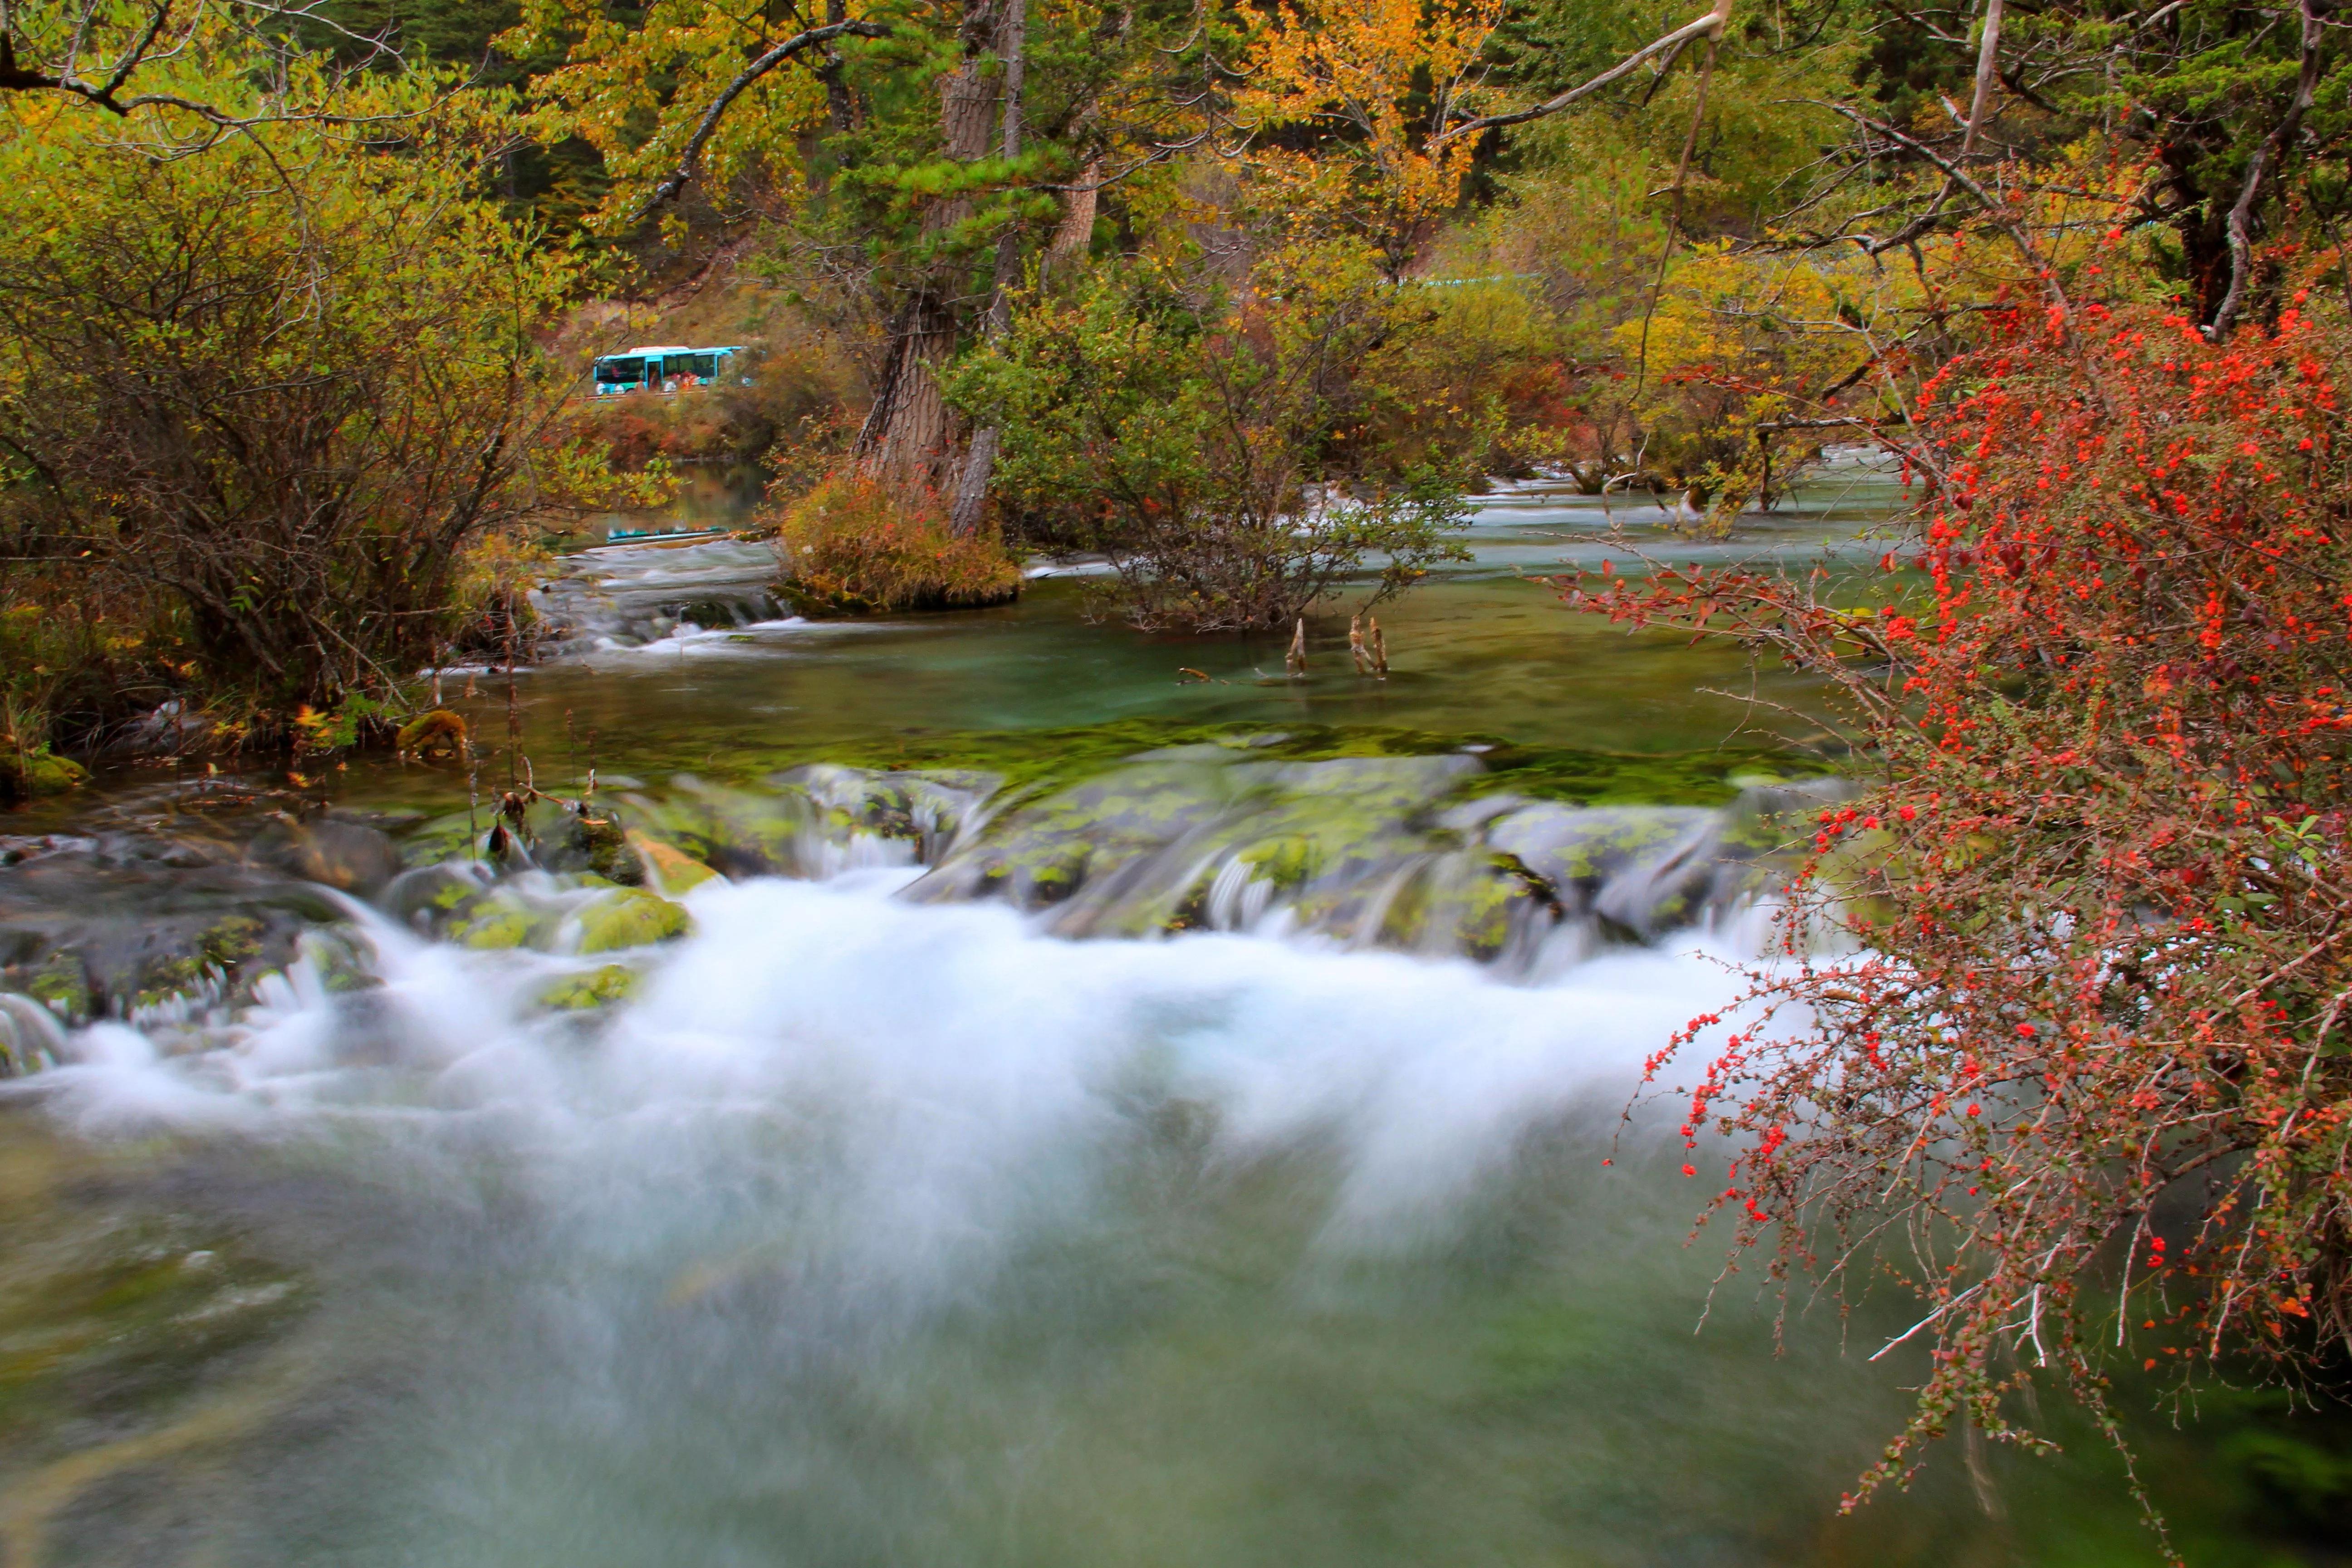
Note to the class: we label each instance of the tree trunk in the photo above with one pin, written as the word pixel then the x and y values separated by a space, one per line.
pixel 1076 229
pixel 840 108
pixel 980 463
pixel 909 439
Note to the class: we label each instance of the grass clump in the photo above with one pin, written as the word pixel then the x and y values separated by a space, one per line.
pixel 852 546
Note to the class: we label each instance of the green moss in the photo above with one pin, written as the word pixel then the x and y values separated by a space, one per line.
pixel 501 920
pixel 670 870
pixel 230 940
pixel 39 773
pixel 630 917
pixel 1482 919
pixel 1608 840
pixel 604 845
pixel 164 978
pixel 1288 862
pixel 598 987
pixel 437 733
pixel 1024 759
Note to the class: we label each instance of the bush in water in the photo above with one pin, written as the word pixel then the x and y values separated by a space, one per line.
pixel 852 545
pixel 1223 450
pixel 2093 1055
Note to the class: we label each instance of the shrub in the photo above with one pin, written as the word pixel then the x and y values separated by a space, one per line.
pixel 1234 458
pixel 73 655
pixel 852 545
pixel 271 389
pixel 2091 1068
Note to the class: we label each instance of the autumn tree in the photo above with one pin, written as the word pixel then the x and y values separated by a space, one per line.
pixel 928 153
pixel 1345 101
pixel 277 388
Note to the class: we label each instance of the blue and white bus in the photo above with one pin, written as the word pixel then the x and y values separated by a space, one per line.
pixel 663 367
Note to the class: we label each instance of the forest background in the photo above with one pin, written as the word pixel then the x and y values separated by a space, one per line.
pixel 296 300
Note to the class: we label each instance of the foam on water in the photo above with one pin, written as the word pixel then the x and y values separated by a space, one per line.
pixel 947 1077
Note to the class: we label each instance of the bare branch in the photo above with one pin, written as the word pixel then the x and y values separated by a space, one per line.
pixel 667 187
pixel 1987 69
pixel 1993 208
pixel 2273 148
pixel 1709 25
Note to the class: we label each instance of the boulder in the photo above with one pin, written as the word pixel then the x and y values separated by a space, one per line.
pixel 436 736
pixel 630 917
pixel 667 870
pixel 598 987
pixel 349 857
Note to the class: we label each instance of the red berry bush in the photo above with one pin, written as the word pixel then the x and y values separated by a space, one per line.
pixel 2081 1073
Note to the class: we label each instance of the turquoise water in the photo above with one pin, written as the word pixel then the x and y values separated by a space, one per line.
pixel 874 1231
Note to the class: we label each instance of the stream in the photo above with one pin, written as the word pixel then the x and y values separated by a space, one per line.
pixel 1115 1105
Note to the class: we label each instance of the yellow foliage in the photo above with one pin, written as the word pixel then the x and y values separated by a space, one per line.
pixel 1739 340
pixel 1370 79
pixel 617 81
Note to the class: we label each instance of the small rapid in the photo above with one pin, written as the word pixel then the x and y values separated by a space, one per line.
pixel 834 1240
pixel 974 1091
pixel 949 1080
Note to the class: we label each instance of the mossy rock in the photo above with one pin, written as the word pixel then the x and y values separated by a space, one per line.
pixel 29 1035
pixel 823 604
pixel 344 962
pixel 350 857
pixel 62 985
pixel 501 919
pixel 435 736
pixel 231 940
pixel 39 773
pixel 1566 845
pixel 734 832
pixel 598 987
pixel 631 917
pixel 604 845
pixel 1288 863
pixel 665 867
pixel 430 898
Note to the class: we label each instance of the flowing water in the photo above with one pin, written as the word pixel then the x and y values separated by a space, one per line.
pixel 1119 1106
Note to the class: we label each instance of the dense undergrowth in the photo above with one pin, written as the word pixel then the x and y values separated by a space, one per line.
pixel 276 421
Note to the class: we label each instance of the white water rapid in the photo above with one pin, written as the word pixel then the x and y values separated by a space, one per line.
pixel 869 1231
pixel 948 1076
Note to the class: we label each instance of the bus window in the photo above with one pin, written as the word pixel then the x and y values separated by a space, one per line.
pixel 706 365
pixel 618 372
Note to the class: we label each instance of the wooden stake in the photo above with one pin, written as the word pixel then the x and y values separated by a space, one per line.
pixel 1294 661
